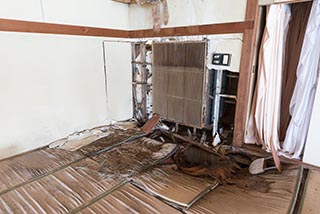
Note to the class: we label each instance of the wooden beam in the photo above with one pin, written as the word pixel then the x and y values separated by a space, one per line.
pixel 225 28
pixel 46 28
pixel 249 47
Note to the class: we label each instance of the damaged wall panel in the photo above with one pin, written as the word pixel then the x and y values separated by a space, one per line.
pixel 179 83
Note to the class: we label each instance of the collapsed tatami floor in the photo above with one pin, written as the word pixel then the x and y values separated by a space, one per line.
pixel 121 173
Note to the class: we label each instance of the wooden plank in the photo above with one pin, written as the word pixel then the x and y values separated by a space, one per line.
pixel 151 123
pixel 47 28
pixel 246 68
pixel 224 28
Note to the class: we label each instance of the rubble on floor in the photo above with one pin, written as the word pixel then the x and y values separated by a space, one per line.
pixel 234 199
pixel 128 159
pixel 80 139
pixel 129 171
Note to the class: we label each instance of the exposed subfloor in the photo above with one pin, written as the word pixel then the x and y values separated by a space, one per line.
pixel 117 175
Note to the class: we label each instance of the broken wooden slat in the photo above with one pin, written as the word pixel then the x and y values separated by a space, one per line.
pixel 150 124
pixel 276 158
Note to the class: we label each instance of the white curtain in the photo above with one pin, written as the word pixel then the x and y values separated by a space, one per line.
pixel 264 121
pixel 303 96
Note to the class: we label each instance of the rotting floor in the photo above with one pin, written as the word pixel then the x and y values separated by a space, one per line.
pixel 126 172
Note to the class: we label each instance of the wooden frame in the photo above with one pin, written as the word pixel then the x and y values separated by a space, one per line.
pixel 247 67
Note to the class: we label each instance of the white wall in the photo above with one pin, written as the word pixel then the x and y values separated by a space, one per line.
pixel 225 43
pixel 119 84
pixel 21 9
pixel 52 86
pixel 191 12
pixel 110 14
pixel 311 153
pixel 94 13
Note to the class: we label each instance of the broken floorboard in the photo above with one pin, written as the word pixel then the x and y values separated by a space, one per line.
pixel 84 181
pixel 236 199
pixel 22 169
pixel 174 187
pixel 60 192
pixel 127 200
pixel 61 185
